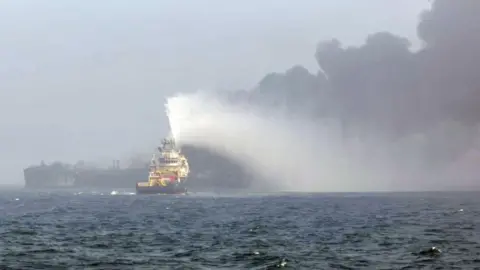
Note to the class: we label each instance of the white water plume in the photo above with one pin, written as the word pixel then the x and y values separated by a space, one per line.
pixel 295 154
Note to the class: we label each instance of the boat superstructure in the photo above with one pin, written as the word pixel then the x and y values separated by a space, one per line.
pixel 168 171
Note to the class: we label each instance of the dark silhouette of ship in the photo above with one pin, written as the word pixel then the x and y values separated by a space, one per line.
pixel 61 175
pixel 209 171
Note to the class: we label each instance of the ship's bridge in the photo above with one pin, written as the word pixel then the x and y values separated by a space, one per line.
pixel 162 161
pixel 169 155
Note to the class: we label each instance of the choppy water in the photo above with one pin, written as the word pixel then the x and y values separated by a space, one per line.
pixel 205 231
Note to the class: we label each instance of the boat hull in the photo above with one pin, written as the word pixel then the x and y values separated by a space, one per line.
pixel 170 189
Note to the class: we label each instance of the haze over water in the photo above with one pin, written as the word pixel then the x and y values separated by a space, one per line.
pixel 82 80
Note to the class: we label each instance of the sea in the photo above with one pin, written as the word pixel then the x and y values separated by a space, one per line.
pixel 115 229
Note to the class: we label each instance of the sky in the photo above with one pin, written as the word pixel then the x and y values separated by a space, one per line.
pixel 87 80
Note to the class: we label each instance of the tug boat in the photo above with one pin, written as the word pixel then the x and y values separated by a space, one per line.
pixel 168 172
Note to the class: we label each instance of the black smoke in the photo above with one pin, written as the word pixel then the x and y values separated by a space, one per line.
pixel 384 87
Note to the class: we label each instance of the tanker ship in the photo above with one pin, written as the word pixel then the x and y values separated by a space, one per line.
pixel 61 175
pixel 168 173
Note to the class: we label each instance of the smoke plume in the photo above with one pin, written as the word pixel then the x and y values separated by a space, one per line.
pixel 376 117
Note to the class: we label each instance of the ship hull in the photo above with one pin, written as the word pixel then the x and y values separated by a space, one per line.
pixel 170 189
pixel 50 177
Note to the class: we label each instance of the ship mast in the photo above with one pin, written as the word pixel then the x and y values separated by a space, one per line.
pixel 168 144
